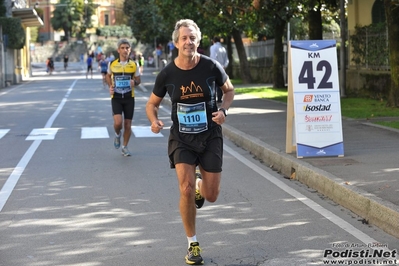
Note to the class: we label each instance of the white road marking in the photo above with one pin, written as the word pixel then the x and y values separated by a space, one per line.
pixel 42 134
pixel 13 179
pixel 3 132
pixel 94 133
pixel 308 202
pixel 144 132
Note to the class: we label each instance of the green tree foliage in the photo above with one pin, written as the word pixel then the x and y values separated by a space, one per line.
pixel 3 9
pixel 145 21
pixel 73 17
pixel 232 18
pixel 15 33
pixel 317 14
pixel 154 20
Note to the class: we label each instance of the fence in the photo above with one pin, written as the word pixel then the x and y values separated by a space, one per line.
pixel 259 54
pixel 369 51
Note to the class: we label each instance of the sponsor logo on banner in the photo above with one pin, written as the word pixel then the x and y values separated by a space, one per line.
pixel 316 98
pixel 319 128
pixel 308 98
pixel 322 98
pixel 317 118
pixel 316 108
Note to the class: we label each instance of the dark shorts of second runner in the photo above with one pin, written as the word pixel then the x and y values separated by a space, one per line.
pixel 89 67
pixel 123 105
pixel 205 149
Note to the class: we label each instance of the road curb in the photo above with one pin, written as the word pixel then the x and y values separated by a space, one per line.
pixel 372 209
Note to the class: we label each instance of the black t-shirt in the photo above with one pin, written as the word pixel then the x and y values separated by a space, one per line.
pixel 191 86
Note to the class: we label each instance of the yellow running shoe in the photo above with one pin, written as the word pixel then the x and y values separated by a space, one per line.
pixel 193 256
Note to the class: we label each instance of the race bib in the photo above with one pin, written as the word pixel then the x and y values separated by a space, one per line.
pixel 122 84
pixel 192 118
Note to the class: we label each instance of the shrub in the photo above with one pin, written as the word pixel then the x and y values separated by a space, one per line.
pixel 370 46
pixel 12 28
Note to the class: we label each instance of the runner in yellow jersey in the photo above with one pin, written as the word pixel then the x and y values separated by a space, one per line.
pixel 122 76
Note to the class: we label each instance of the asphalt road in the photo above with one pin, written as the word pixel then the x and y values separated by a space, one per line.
pixel 69 197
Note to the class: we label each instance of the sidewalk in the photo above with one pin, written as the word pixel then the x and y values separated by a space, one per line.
pixel 365 180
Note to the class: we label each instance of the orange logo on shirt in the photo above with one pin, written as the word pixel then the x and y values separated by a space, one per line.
pixel 192 91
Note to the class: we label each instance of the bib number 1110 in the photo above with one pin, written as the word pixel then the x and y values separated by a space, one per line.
pixel 306 75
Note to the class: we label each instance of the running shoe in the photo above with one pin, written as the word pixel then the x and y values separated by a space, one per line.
pixel 199 200
pixel 126 152
pixel 117 141
pixel 193 256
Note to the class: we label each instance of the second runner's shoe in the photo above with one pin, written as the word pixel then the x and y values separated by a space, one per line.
pixel 199 200
pixel 125 151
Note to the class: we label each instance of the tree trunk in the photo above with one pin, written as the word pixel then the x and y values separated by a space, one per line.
pixel 278 54
pixel 66 33
pixel 242 56
pixel 392 16
pixel 315 24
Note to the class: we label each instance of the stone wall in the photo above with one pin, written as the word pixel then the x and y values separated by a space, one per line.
pixel 368 83
pixel 56 50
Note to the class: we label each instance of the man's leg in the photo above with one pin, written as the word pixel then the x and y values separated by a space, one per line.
pixel 186 178
pixel 117 128
pixel 127 132
pixel 209 186
pixel 118 123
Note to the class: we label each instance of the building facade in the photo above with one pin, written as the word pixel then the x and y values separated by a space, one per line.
pixel 107 13
pixel 15 64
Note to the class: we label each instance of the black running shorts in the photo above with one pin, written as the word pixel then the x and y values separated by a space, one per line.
pixel 205 149
pixel 123 105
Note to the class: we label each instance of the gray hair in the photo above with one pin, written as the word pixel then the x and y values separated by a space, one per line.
pixel 185 23
pixel 122 41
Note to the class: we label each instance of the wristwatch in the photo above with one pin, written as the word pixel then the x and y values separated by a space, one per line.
pixel 224 111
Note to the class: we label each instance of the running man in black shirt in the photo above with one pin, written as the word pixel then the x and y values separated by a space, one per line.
pixel 196 134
